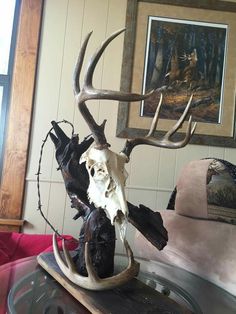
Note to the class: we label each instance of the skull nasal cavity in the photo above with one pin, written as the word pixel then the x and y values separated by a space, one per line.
pixel 110 187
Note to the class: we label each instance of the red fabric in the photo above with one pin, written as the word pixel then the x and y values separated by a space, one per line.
pixel 15 245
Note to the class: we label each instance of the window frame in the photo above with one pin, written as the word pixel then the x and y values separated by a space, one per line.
pixel 19 116
pixel 5 81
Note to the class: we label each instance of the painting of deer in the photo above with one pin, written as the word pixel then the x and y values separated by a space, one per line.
pixel 183 58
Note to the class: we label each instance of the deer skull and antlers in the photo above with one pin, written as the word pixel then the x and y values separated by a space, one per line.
pixel 106 169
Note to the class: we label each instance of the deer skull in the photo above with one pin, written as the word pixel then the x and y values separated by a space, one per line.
pixel 107 177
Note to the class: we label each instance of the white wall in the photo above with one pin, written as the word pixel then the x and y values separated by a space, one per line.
pixel 152 171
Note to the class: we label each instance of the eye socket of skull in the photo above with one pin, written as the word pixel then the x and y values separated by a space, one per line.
pixel 98 170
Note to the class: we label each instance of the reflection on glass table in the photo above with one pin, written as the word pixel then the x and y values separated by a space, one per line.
pixel 195 293
pixel 36 292
pixel 39 293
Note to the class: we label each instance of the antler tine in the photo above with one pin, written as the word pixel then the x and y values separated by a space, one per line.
pixel 96 57
pixel 129 252
pixel 88 92
pixel 181 120
pixel 155 118
pixel 79 64
pixel 57 255
pixel 68 258
pixel 149 139
pixel 93 282
pixel 89 266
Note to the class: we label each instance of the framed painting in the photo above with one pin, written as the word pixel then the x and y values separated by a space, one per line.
pixel 179 49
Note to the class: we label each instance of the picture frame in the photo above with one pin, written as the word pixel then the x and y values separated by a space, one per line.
pixel 218 18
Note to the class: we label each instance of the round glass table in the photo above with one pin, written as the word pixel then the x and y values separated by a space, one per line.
pixel 27 288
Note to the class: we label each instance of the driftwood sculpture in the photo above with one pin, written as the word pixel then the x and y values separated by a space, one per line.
pixel 95 181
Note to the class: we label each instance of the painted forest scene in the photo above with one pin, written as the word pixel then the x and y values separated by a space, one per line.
pixel 184 58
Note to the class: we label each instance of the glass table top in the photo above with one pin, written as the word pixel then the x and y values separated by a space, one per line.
pixel 197 294
pixel 37 292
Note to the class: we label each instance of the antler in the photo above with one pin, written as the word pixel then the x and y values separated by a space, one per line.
pixel 149 139
pixel 93 282
pixel 89 92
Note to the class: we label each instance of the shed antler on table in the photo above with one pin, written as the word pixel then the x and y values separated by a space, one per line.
pixel 106 174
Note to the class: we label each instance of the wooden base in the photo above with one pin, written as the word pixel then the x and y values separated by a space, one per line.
pixel 133 297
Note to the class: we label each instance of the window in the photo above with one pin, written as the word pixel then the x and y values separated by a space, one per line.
pixel 9 15
pixel 19 107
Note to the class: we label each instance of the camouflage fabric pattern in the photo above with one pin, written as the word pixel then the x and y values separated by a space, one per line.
pixel 221 191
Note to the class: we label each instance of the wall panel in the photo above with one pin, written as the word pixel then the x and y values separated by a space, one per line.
pixel 71 226
pixel 230 155
pixel 35 222
pixel 167 166
pixel 56 207
pixel 144 166
pixel 48 84
pixel 217 152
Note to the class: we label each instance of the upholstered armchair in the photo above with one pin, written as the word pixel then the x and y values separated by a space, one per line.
pixel 202 226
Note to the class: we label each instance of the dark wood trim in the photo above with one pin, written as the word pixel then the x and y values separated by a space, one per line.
pixel 217 5
pixel 11 222
pixel 23 83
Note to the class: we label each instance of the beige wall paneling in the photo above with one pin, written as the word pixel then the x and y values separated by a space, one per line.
pixel 167 165
pixel 144 166
pixel 70 226
pixel 147 197
pixel 72 42
pixel 56 207
pixel 163 199
pixel 112 70
pixel 217 152
pixel 34 221
pixel 230 155
pixel 71 45
pixel 46 104
pixel 95 19
pixel 48 84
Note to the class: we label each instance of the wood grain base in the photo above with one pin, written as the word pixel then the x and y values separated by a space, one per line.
pixel 133 297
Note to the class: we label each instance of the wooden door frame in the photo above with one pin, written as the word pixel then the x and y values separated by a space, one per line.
pixel 20 112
